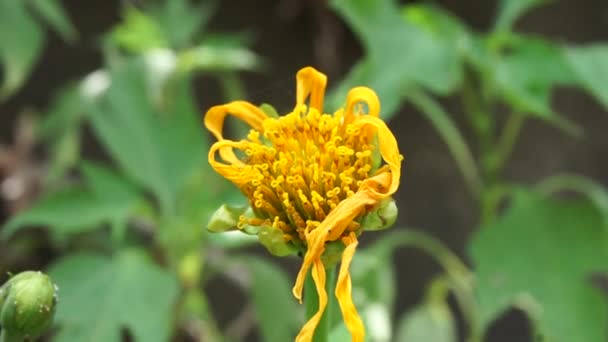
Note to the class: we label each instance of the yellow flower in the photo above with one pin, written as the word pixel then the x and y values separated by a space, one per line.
pixel 313 176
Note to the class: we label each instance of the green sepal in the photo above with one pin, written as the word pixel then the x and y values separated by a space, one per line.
pixel 333 253
pixel 382 217
pixel 226 218
pixel 269 110
pixel 272 239
pixel 28 302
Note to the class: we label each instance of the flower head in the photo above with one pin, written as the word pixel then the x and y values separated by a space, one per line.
pixel 311 177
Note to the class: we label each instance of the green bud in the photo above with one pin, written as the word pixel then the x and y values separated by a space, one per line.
pixel 272 239
pixel 382 217
pixel 226 218
pixel 27 305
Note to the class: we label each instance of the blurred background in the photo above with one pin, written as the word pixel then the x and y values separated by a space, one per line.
pixel 103 153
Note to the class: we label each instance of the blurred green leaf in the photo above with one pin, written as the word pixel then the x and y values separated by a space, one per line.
pixel 430 321
pixel 20 45
pixel 399 51
pixel 53 13
pixel 590 65
pixel 510 10
pixel 159 147
pixel 275 307
pixel 180 20
pixel 138 32
pixel 210 56
pixel 540 256
pixel 104 198
pixel 60 130
pixel 451 135
pixel 595 192
pixel 527 73
pixel 100 296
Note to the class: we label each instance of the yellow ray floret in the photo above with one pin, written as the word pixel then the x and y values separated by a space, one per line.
pixel 311 175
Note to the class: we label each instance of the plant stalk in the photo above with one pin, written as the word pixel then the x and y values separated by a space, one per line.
pixel 311 302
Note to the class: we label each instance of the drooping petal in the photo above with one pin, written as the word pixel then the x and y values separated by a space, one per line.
pixel 245 111
pixel 308 330
pixel 359 95
pixel 388 149
pixel 336 222
pixel 344 292
pixel 310 82
pixel 371 191
pixel 226 168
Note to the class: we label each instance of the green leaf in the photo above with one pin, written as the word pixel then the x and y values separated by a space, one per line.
pixel 105 198
pixel 540 256
pixel 180 20
pixel 157 146
pixel 275 307
pixel 595 192
pixel 52 12
pixel 20 45
pixel 392 64
pixel 100 296
pixel 590 65
pixel 138 32
pixel 60 130
pixel 430 321
pixel 511 10
pixel 526 75
pixel 210 56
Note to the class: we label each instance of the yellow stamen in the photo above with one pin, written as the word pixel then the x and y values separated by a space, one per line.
pixel 311 175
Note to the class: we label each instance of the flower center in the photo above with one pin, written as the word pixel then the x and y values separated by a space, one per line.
pixel 301 167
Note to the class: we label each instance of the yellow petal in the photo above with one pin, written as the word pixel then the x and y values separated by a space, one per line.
pixel 308 330
pixel 245 111
pixel 371 191
pixel 388 149
pixel 355 97
pixel 310 83
pixel 344 292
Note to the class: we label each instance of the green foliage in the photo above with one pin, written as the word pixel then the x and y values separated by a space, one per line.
pixel 589 65
pixel 271 285
pixel 101 295
pixel 157 192
pixel 392 64
pixel 539 256
pixel 21 38
pixel 430 321
pixel 156 147
pixel 104 197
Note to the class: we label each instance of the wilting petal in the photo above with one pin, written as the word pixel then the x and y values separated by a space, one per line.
pixel 245 111
pixel 308 330
pixel 344 292
pixel 310 82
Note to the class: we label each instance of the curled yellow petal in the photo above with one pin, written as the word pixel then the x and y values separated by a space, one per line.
pixel 308 330
pixel 310 82
pixel 371 191
pixel 344 292
pixel 336 222
pixel 245 111
pixel 359 95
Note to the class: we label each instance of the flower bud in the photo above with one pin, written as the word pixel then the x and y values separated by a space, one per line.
pixel 382 217
pixel 27 305
pixel 226 218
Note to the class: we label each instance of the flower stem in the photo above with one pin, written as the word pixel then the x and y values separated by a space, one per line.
pixel 311 301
